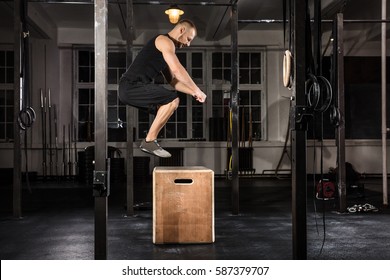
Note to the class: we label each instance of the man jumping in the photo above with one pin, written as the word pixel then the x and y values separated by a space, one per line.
pixel 136 86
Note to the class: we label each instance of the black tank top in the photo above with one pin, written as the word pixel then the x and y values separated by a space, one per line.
pixel 147 64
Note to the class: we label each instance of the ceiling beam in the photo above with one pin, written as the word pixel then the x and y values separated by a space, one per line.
pixel 118 14
pixel 216 26
pixel 167 3
pixel 40 23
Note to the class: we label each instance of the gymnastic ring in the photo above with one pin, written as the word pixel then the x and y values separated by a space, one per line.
pixel 26 122
pixel 335 116
pixel 329 94
pixel 287 69
pixel 313 91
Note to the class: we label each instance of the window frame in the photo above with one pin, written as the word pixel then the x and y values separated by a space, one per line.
pixel 226 87
pixel 207 86
pixel 8 87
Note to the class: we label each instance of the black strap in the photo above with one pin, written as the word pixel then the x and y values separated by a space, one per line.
pixel 287 8
pixel 27 114
pixel 309 49
pixel 290 44
pixel 284 23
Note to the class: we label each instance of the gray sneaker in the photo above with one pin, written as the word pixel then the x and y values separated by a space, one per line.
pixel 154 148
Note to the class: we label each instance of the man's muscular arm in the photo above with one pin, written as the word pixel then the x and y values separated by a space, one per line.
pixel 175 83
pixel 181 80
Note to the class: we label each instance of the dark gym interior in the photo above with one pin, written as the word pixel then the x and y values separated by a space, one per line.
pixel 294 129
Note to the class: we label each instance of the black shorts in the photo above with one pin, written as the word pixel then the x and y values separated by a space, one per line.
pixel 145 96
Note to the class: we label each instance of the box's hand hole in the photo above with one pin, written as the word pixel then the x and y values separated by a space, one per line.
pixel 183 181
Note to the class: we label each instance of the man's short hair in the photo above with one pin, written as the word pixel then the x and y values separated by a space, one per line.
pixel 188 23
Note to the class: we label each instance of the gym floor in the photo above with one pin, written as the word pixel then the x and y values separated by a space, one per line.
pixel 58 224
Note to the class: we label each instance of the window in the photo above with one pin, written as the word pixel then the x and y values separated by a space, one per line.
pixel 116 114
pixel 221 73
pixel 116 111
pixel 85 92
pixel 197 73
pixel 250 95
pixel 86 114
pixel 250 68
pixel 250 114
pixel 86 66
pixel 189 120
pixel 6 95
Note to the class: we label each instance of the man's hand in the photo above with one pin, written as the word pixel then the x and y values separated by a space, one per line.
pixel 200 96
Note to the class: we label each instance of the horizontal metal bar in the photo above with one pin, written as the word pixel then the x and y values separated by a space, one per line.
pixel 87 2
pixel 200 3
pixel 278 21
pixel 167 3
pixel 260 21
pixel 366 20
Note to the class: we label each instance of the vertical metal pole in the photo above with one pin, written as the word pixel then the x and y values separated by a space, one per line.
pixel 234 95
pixel 17 181
pixel 317 37
pixel 338 56
pixel 130 113
pixel 298 133
pixel 384 124
pixel 101 123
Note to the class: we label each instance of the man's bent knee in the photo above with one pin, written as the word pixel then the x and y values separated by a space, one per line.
pixel 171 106
pixel 175 103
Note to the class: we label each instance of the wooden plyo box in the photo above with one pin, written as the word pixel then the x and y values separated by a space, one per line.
pixel 183 205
